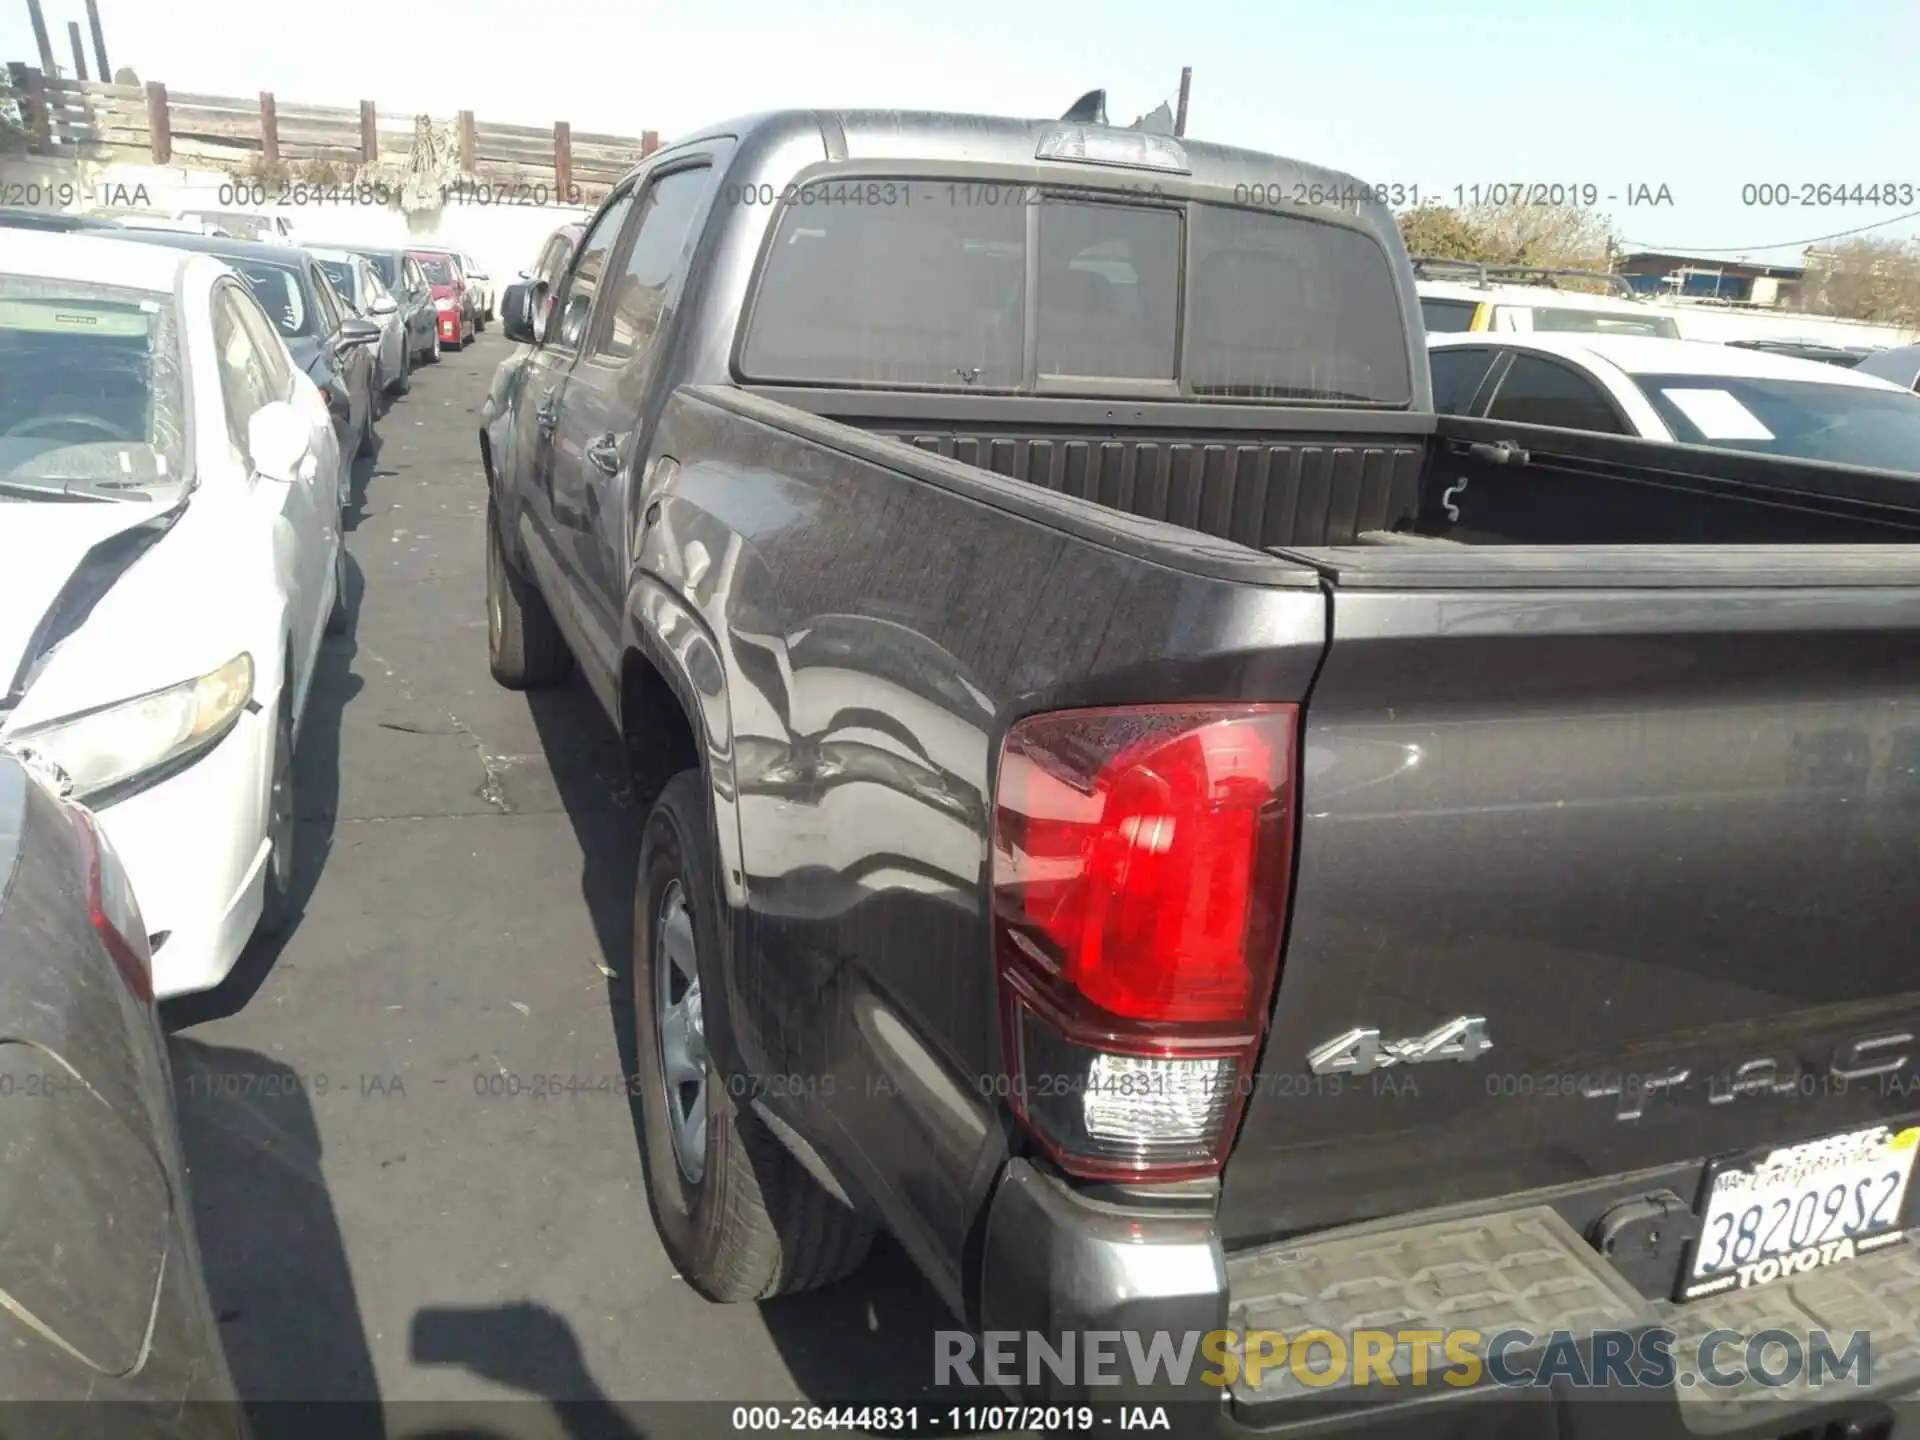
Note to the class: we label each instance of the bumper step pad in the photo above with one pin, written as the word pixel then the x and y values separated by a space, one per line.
pixel 1528 1270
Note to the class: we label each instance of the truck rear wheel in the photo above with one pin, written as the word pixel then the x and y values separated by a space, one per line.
pixel 525 649
pixel 740 1217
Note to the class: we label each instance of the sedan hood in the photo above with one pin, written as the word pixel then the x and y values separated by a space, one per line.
pixel 42 545
pixel 446 292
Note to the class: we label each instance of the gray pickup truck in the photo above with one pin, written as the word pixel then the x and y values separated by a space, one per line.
pixel 1179 835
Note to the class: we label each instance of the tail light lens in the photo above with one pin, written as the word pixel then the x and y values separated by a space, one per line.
pixel 1140 872
pixel 114 911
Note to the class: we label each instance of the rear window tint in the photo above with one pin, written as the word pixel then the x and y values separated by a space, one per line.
pixel 1109 291
pixel 1285 308
pixel 932 292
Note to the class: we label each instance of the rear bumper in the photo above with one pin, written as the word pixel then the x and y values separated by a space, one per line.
pixel 1565 1346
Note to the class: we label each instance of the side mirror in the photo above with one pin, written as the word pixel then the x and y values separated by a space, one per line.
pixel 385 305
pixel 516 312
pixel 359 332
pixel 277 441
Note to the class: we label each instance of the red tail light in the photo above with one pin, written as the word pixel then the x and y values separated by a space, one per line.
pixel 114 911
pixel 1140 872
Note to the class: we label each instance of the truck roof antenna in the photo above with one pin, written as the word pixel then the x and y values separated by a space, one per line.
pixel 1089 109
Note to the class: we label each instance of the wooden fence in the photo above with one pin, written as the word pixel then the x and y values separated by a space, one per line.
pixel 269 138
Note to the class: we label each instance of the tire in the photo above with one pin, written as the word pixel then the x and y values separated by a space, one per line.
pixel 749 1222
pixel 403 382
pixel 337 617
pixel 525 649
pixel 276 886
pixel 433 351
pixel 366 432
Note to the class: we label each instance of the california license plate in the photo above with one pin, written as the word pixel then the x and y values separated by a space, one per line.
pixel 1800 1207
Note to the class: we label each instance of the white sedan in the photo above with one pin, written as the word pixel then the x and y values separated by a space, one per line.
pixel 480 289
pixel 170 557
pixel 1691 391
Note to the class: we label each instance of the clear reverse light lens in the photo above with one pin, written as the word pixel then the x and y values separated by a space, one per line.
pixel 1130 149
pixel 1141 1098
pixel 109 746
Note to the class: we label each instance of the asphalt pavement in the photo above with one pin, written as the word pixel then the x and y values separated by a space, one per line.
pixel 413 1159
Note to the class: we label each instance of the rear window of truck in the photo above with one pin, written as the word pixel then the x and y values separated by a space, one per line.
pixel 931 292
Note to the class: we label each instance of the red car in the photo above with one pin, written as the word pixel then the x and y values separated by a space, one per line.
pixel 453 315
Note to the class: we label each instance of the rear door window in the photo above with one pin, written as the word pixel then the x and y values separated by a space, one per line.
pixel 1458 373
pixel 1544 392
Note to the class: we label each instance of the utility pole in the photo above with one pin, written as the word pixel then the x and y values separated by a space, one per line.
pixel 99 42
pixel 1186 89
pixel 47 67
pixel 79 50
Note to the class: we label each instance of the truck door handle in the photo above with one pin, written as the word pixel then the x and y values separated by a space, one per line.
pixel 547 416
pixel 604 454
pixel 1503 452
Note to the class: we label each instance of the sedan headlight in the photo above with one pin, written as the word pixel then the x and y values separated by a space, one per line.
pixel 443 305
pixel 103 749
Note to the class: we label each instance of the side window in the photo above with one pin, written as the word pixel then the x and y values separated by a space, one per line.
pixel 667 214
pixel 1542 392
pixel 371 282
pixel 416 282
pixel 277 364
pixel 324 300
pixel 244 385
pixel 1457 374
pixel 575 304
pixel 1446 317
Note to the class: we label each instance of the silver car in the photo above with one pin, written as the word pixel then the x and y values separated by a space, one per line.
pixel 105 1299
pixel 360 285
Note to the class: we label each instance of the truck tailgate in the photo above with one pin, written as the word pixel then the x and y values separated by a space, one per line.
pixel 1662 834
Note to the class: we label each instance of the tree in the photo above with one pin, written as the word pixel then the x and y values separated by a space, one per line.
pixel 1562 237
pixel 1443 231
pixel 1865 279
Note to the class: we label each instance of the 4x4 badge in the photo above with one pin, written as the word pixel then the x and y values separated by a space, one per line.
pixel 1360 1051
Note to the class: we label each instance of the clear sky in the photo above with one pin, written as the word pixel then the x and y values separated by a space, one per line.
pixel 1701 96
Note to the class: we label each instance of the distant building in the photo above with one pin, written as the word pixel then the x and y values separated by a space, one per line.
pixel 1739 281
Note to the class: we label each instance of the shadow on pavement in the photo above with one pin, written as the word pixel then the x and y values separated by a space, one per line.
pixel 867 1339
pixel 525 1347
pixel 365 468
pixel 316 801
pixel 271 1244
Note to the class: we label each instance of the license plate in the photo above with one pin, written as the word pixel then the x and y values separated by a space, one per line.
pixel 1799 1207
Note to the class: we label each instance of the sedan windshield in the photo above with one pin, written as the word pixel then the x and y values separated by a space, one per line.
pixel 92 395
pixel 1844 424
pixel 341 274
pixel 388 267
pixel 280 293
pixel 439 272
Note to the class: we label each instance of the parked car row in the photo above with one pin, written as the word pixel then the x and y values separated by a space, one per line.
pixel 180 414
